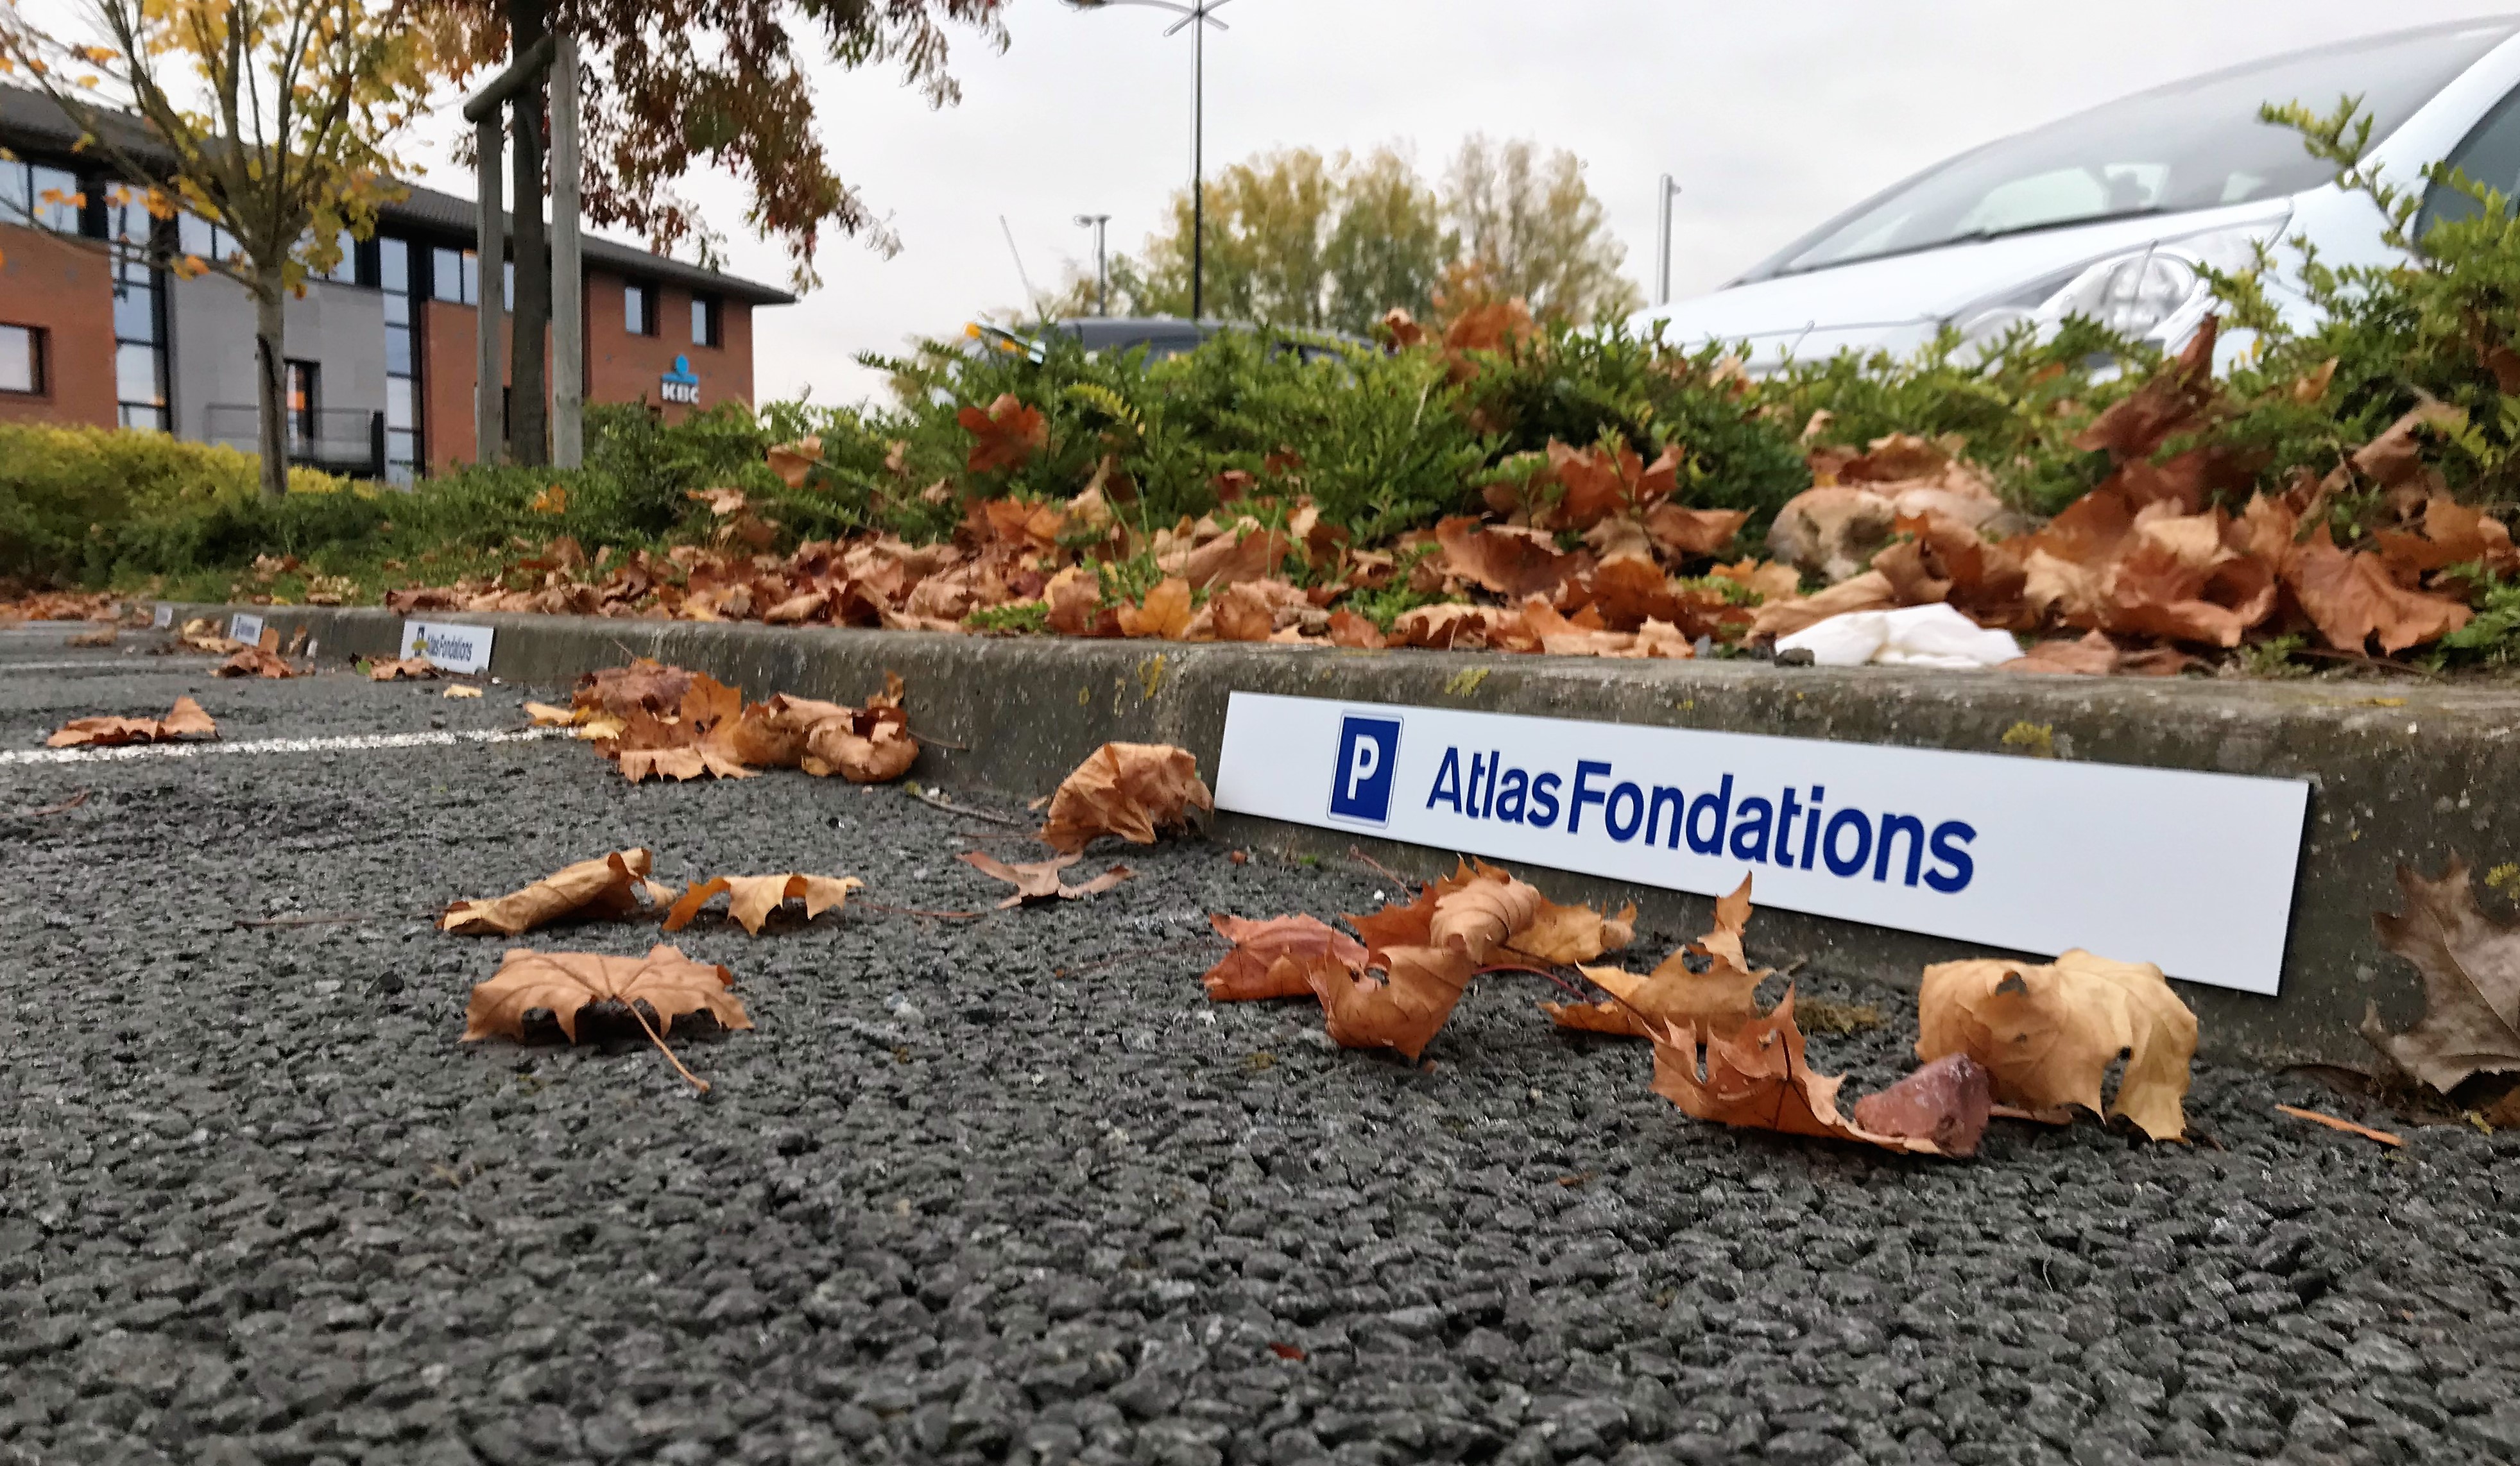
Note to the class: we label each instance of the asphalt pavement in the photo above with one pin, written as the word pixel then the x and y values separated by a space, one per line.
pixel 1011 1189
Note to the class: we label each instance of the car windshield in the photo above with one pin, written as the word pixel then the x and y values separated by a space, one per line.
pixel 2195 144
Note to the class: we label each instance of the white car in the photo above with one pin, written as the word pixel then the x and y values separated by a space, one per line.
pixel 2106 213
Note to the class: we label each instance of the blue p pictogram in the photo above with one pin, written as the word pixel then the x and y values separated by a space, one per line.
pixel 1368 757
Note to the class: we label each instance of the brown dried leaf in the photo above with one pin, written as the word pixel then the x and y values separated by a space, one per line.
pixel 414 668
pixel 2049 1034
pixel 1512 562
pixel 1402 1011
pixel 867 745
pixel 182 721
pixel 603 889
pixel 1561 936
pixel 752 899
pixel 665 982
pixel 1040 880
pixel 1348 629
pixel 255 661
pixel 1005 433
pixel 1132 790
pixel 2351 597
pixel 2470 965
pixel 1675 995
pixel 1690 533
pixel 1259 967
pixel 1479 918
pixel 1166 612
pixel 1758 1079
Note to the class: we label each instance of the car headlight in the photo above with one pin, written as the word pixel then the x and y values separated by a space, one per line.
pixel 2157 292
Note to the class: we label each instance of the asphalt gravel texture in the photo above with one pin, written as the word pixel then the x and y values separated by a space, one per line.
pixel 1011 1189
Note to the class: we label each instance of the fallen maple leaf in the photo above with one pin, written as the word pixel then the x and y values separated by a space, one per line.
pixel 461 689
pixel 1477 919
pixel 665 983
pixel 693 742
pixel 1757 1079
pixel 182 721
pixel 752 899
pixel 1006 434
pixel 644 683
pixel 1040 880
pixel 254 662
pixel 2049 1034
pixel 2470 966
pixel 1512 562
pixel 390 670
pixel 865 745
pixel 1165 612
pixel 602 889
pixel 1404 1009
pixel 1133 790
pixel 2353 599
pixel 1561 936
pixel 1258 967
pixel 1715 997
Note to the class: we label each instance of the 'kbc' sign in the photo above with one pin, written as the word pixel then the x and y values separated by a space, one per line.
pixel 2192 870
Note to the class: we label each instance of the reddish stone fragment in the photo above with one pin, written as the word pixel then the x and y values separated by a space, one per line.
pixel 1945 1102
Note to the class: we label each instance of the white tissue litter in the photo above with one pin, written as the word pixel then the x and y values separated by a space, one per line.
pixel 1913 636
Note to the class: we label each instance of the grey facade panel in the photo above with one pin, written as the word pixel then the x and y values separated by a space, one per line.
pixel 340 327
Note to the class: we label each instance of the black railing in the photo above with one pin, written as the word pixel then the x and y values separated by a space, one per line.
pixel 337 440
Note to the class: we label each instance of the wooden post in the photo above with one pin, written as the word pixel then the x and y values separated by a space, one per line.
pixel 569 277
pixel 490 239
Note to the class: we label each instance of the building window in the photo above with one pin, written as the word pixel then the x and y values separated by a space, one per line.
pixel 708 322
pixel 305 383
pixel 139 320
pixel 21 360
pixel 395 261
pixel 45 198
pixel 204 241
pixel 639 308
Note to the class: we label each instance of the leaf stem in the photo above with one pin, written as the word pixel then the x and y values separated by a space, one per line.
pixel 698 1082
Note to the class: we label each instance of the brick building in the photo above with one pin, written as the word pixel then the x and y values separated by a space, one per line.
pixel 380 358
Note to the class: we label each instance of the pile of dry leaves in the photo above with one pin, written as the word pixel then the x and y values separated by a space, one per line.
pixel 1997 1037
pixel 2147 563
pixel 1593 551
pixel 662 722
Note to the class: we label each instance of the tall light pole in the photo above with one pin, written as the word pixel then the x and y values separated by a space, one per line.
pixel 1195 18
pixel 1101 270
pixel 1663 194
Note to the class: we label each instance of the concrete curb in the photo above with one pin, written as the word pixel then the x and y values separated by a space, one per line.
pixel 2401 773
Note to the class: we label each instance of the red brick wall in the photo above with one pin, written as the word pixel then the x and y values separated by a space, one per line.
pixel 448 370
pixel 64 288
pixel 619 367
pixel 623 368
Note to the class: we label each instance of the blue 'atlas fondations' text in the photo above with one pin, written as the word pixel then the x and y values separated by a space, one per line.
pixel 1794 830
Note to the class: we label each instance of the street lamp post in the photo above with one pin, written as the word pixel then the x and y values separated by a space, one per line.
pixel 1101 269
pixel 1195 17
pixel 1667 191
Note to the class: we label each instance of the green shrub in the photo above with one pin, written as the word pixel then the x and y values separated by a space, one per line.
pixel 66 491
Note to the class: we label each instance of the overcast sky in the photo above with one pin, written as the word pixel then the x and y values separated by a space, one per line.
pixel 1773 115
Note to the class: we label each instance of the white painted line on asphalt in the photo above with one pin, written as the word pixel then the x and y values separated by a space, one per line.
pixel 107 663
pixel 358 744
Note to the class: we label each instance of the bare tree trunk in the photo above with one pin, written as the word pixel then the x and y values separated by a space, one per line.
pixel 529 442
pixel 271 395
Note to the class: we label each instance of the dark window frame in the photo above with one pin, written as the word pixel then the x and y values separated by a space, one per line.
pixel 303 419
pixel 708 322
pixel 38 359
pixel 650 307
